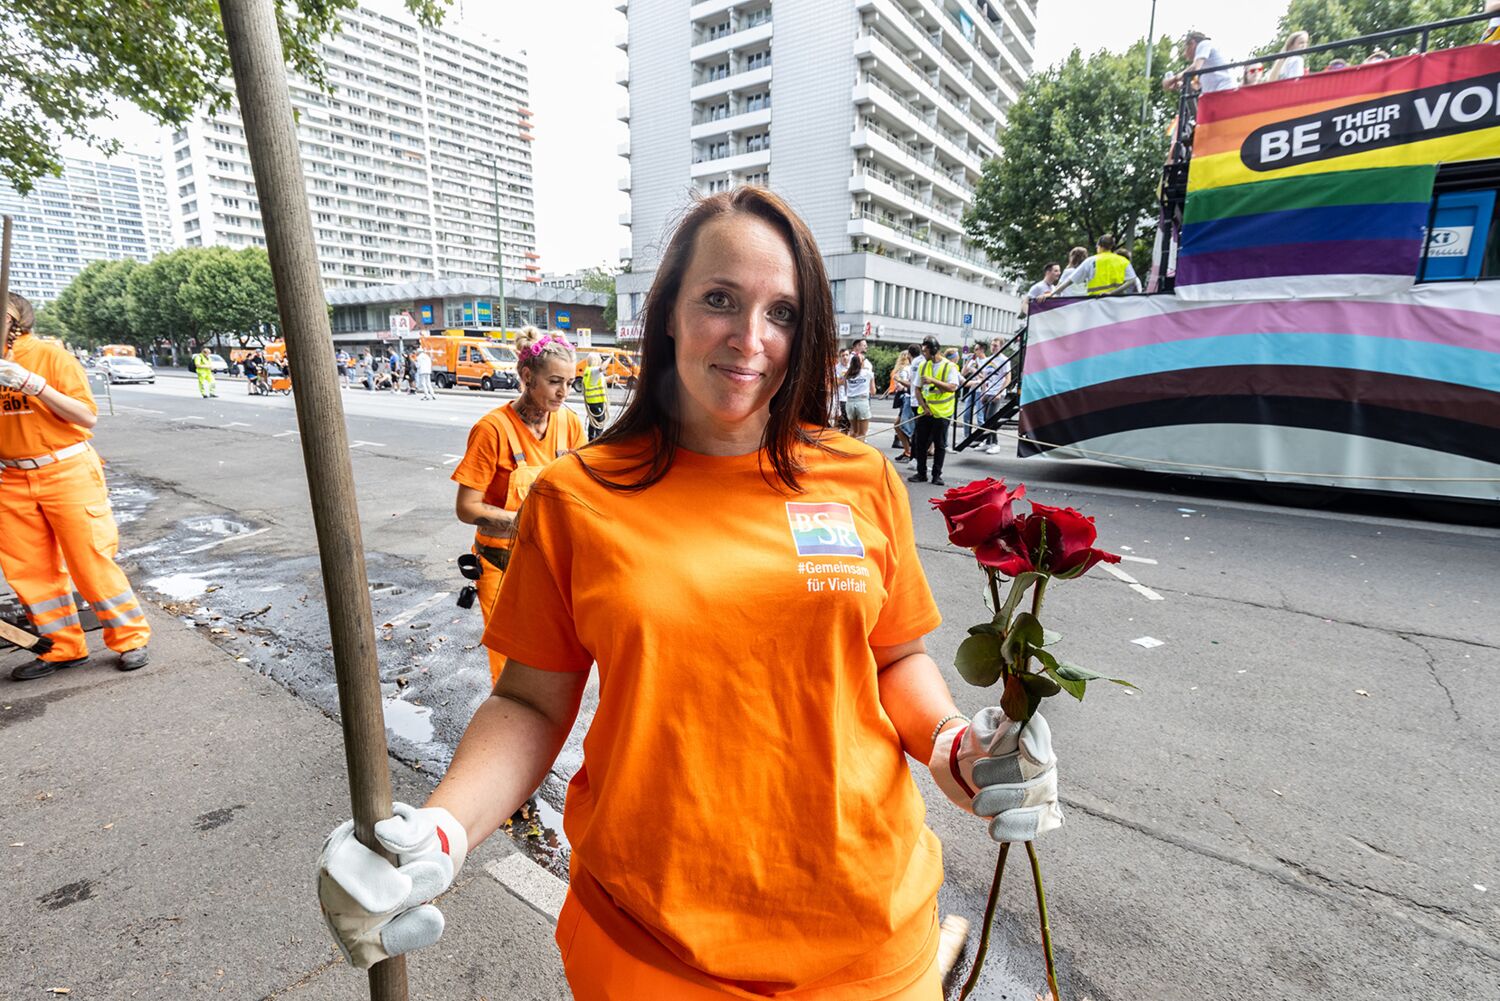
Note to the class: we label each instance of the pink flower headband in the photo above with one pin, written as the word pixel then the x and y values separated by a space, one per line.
pixel 535 348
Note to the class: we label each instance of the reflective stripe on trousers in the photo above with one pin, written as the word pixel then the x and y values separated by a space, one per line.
pixel 57 533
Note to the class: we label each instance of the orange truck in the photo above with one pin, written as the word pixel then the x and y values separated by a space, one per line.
pixel 476 362
pixel 117 351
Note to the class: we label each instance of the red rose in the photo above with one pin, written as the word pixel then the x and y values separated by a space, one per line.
pixel 977 512
pixel 1006 553
pixel 1062 539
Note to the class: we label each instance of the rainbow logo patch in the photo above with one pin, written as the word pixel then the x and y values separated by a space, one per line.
pixel 824 530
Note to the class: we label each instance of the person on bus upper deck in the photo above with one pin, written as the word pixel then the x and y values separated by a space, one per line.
pixel 1492 26
pixel 1106 273
pixel 1201 54
pixel 1076 256
pixel 1047 284
pixel 1290 67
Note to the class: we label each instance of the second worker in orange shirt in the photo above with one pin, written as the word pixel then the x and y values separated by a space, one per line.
pixel 744 823
pixel 57 530
pixel 507 448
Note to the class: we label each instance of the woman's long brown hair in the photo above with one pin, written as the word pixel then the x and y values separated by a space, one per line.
pixel 800 406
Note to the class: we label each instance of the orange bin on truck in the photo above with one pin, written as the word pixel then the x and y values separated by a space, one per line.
pixel 117 351
pixel 621 368
pixel 476 362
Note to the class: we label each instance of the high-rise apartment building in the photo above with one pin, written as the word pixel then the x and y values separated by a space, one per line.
pixel 871 117
pixel 95 210
pixel 403 159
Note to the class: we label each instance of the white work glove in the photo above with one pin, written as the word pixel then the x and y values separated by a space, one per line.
pixel 13 376
pixel 994 768
pixel 376 910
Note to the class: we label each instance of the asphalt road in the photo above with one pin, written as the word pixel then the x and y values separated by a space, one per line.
pixel 1298 803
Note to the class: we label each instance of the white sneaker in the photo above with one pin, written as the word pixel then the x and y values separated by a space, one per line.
pixel 912 465
pixel 992 450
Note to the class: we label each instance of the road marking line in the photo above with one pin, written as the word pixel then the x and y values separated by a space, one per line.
pixel 449 458
pixel 357 442
pixel 1150 594
pixel 283 434
pixel 219 542
pixel 193 417
pixel 1138 559
pixel 415 610
pixel 141 410
pixel 535 886
pixel 235 424
pixel 1115 571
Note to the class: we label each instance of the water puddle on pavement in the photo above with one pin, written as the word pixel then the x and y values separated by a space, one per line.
pixel 180 586
pixel 217 527
pixel 410 722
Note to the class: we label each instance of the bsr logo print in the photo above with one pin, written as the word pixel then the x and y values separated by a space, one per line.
pixel 824 530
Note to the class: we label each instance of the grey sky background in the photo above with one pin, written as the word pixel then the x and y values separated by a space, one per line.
pixel 573 60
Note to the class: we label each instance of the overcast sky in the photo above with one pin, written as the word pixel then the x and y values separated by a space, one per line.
pixel 573 62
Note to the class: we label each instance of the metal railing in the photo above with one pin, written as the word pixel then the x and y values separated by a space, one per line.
pixel 914 154
pixel 910 191
pixel 953 248
pixel 868 32
pixel 958 140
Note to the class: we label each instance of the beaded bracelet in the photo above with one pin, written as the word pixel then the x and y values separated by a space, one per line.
pixel 944 722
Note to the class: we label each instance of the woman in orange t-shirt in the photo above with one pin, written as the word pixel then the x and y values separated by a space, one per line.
pixel 507 448
pixel 744 823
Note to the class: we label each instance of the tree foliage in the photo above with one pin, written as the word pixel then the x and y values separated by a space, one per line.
pixel 63 65
pixel 151 300
pixel 602 279
pixel 1332 20
pixel 1076 161
pixel 98 314
pixel 230 292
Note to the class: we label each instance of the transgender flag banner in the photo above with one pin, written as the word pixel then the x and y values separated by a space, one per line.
pixel 1396 393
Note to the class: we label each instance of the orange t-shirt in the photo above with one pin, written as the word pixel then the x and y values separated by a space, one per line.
pixel 488 460
pixel 28 428
pixel 744 798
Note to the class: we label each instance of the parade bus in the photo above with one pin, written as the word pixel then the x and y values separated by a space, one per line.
pixel 1324 304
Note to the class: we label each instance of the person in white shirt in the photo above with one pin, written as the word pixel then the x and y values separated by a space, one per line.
pixel 1076 256
pixel 1290 67
pixel 424 375
pixel 1201 54
pixel 1116 274
pixel 1492 27
pixel 1046 285
pixel 856 387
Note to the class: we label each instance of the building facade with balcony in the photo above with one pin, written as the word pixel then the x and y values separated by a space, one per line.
pixel 95 210
pixel 423 132
pixel 872 118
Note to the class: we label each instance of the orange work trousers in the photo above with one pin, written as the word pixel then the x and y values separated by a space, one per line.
pixel 56 523
pixel 488 586
pixel 600 969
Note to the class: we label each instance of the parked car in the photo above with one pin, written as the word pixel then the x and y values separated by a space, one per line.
pixel 217 363
pixel 125 368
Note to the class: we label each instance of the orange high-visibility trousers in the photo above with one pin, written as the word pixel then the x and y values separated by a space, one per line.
pixel 56 523
pixel 600 969
pixel 488 586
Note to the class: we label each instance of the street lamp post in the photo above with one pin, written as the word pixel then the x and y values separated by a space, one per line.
pixel 1150 51
pixel 499 243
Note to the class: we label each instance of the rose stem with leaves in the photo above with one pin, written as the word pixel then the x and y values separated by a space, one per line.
pixel 1036 867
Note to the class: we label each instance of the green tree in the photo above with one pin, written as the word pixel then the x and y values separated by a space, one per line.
pixel 1331 20
pixel 49 323
pixel 1076 161
pixel 98 314
pixel 229 292
pixel 63 65
pixel 151 299
pixel 602 279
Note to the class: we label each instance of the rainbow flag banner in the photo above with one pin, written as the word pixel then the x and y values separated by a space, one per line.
pixel 1436 107
pixel 1356 232
pixel 1397 392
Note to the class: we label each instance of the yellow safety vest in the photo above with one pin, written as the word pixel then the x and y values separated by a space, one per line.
pixel 593 386
pixel 940 402
pixel 1109 274
pixel 201 363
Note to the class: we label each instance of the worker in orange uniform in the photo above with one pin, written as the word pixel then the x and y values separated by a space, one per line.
pixel 508 447
pixel 744 823
pixel 55 518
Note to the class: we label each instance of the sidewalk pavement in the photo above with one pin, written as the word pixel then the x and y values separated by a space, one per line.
pixel 160 832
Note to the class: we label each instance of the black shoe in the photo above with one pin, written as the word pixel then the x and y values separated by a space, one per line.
pixel 937 481
pixel 134 660
pixel 917 478
pixel 40 668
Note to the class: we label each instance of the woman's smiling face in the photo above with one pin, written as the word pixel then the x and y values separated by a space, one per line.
pixel 733 324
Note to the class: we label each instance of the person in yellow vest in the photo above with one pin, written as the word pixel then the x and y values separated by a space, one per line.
pixel 1106 273
pixel 936 391
pixel 57 531
pixel 508 448
pixel 594 397
pixel 204 367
